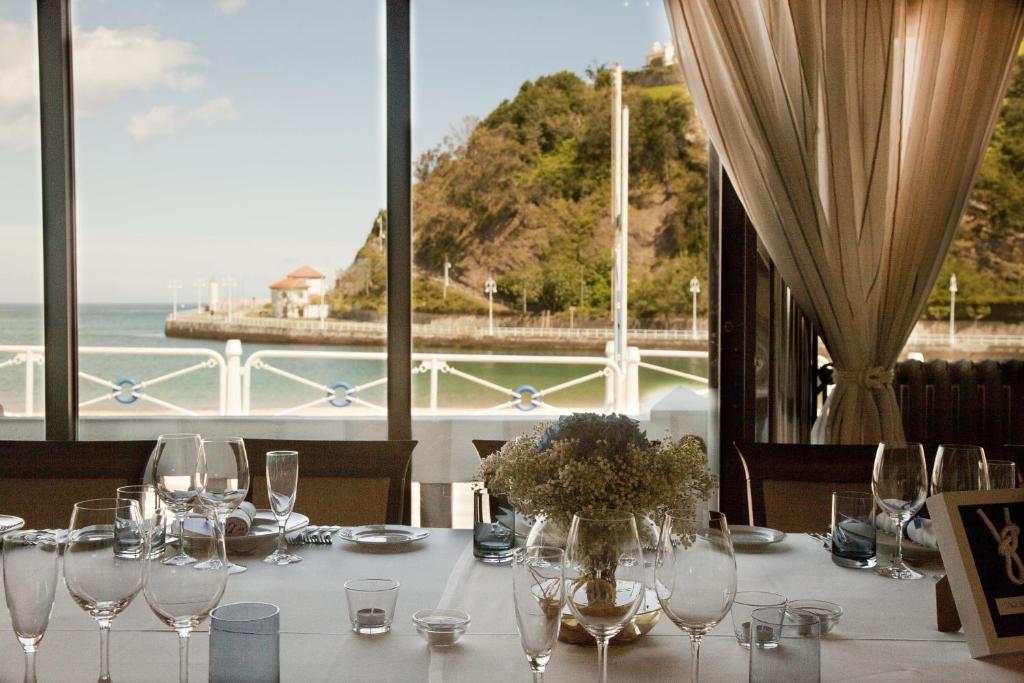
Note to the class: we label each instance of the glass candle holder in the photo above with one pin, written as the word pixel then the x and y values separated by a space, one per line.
pixel 745 603
pixel 371 605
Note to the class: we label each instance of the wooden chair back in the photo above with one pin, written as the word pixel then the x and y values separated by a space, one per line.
pixel 789 486
pixel 41 481
pixel 340 482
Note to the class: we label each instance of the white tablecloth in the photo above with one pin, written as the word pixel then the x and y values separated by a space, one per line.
pixel 887 634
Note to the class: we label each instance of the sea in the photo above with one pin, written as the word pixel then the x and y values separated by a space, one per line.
pixel 293 386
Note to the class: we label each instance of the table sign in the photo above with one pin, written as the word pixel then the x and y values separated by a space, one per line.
pixel 978 535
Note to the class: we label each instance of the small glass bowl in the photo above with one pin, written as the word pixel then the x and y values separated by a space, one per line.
pixel 828 613
pixel 441 627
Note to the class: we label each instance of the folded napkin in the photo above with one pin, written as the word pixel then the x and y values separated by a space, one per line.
pixel 239 522
pixel 919 530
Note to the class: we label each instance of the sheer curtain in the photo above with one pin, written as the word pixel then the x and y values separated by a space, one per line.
pixel 853 132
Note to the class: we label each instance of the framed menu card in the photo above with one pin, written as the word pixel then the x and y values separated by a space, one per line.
pixel 979 537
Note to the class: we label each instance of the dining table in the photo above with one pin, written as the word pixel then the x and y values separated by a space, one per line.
pixel 887 633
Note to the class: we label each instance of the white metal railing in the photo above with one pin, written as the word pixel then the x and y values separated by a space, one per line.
pixel 235 378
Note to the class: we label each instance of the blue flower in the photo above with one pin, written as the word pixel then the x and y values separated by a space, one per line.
pixel 606 434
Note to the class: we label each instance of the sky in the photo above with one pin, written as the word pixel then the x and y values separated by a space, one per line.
pixel 244 138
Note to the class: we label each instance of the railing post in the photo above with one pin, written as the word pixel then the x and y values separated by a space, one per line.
pixel 632 379
pixel 611 381
pixel 30 382
pixel 434 365
pixel 233 354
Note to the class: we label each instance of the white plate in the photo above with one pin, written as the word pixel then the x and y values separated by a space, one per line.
pixel 383 534
pixel 10 523
pixel 744 536
pixel 264 525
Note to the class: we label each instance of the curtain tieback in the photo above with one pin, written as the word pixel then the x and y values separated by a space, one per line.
pixel 870 378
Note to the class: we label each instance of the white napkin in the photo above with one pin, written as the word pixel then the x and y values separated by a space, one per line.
pixel 919 530
pixel 239 522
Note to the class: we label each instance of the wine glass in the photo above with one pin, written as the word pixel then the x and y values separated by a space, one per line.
pixel 899 482
pixel 604 574
pixel 695 574
pixel 282 482
pixel 538 586
pixel 959 468
pixel 182 595
pixel 101 578
pixel 178 467
pixel 226 480
pixel 30 581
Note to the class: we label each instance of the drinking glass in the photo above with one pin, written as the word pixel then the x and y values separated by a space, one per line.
pixel 100 579
pixel 226 480
pixel 494 523
pixel 282 482
pixel 371 605
pixel 150 504
pixel 854 543
pixel 30 580
pixel 744 604
pixel 182 595
pixel 538 586
pixel 785 645
pixel 1002 474
pixel 177 467
pixel 899 482
pixel 959 468
pixel 604 574
pixel 695 574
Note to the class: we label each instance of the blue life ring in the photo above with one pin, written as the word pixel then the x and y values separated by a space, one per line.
pixel 119 394
pixel 528 389
pixel 339 402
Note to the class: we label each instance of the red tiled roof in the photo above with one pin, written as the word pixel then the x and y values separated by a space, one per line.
pixel 290 283
pixel 306 273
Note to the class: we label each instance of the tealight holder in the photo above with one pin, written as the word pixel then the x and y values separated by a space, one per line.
pixel 371 605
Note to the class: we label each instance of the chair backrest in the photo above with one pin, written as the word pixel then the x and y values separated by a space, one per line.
pixel 41 481
pixel 340 482
pixel 789 486
pixel 485 447
pixel 976 402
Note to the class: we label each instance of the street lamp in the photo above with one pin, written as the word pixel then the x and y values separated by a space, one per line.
pixel 490 287
pixel 229 285
pixel 952 309
pixel 174 286
pixel 198 284
pixel 695 290
pixel 447 267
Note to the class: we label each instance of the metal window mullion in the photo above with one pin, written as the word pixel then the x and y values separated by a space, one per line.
pixel 60 304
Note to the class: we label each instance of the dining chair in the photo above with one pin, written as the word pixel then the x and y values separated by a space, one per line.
pixel 347 483
pixel 789 486
pixel 40 481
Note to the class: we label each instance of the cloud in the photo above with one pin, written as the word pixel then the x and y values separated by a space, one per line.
pixel 167 119
pixel 230 6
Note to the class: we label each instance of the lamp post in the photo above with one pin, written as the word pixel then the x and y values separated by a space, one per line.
pixel 447 267
pixel 952 310
pixel 229 285
pixel 695 290
pixel 322 305
pixel 174 286
pixel 490 287
pixel 198 284
pixel 572 317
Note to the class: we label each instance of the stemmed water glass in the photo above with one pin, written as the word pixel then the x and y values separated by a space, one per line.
pixel 178 468
pixel 538 585
pixel 695 575
pixel 282 485
pixel 182 595
pixel 30 581
pixel 604 575
pixel 226 480
pixel 102 578
pixel 959 468
pixel 899 482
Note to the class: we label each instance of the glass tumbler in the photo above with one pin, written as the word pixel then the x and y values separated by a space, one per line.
pixel 853 529
pixel 150 505
pixel 785 645
pixel 745 603
pixel 245 643
pixel 1002 474
pixel 494 522
pixel 371 605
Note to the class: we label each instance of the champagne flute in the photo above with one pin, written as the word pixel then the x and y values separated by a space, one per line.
pixel 604 574
pixel 959 468
pixel 101 579
pixel 282 482
pixel 899 482
pixel 226 480
pixel 695 575
pixel 182 596
pixel 538 586
pixel 177 468
pixel 30 581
